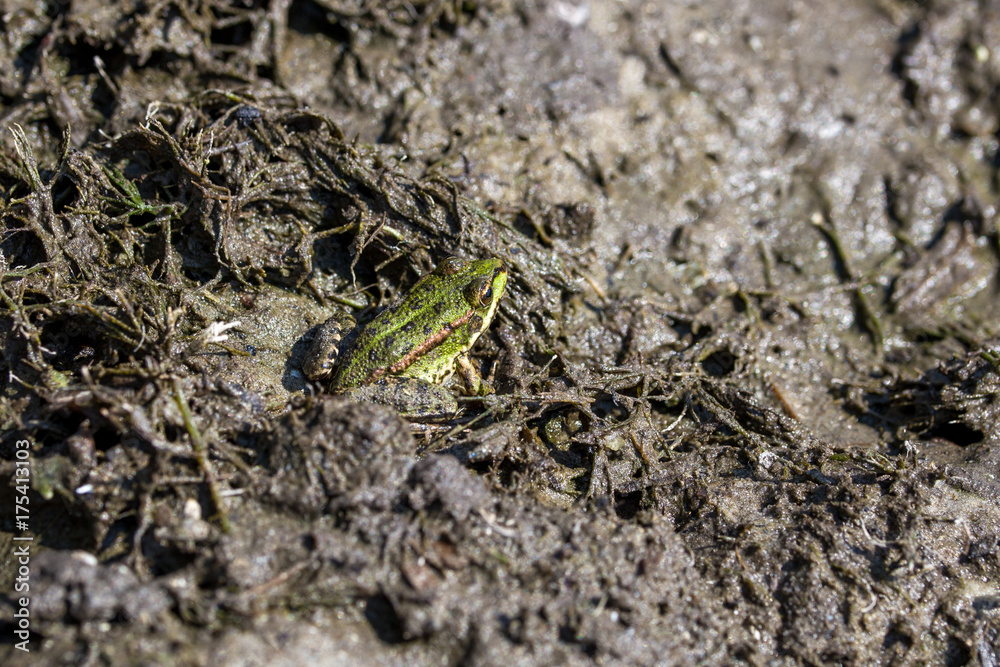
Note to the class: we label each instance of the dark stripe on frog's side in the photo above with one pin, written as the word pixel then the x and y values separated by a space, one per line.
pixel 420 350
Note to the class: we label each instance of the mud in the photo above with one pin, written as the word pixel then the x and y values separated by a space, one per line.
pixel 747 366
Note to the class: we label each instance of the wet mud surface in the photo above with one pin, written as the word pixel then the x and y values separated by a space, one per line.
pixel 746 368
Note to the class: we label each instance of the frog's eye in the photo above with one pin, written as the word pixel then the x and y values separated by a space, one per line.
pixel 479 293
pixel 449 266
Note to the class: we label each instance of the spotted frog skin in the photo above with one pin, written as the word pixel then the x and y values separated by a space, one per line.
pixel 403 356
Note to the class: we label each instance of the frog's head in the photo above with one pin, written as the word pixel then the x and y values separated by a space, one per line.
pixel 482 281
pixel 466 296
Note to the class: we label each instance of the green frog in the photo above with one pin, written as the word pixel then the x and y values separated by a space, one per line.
pixel 403 356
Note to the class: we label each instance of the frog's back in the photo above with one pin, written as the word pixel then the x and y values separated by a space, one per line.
pixel 385 346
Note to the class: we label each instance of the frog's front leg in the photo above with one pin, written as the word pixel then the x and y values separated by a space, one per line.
pixel 475 385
